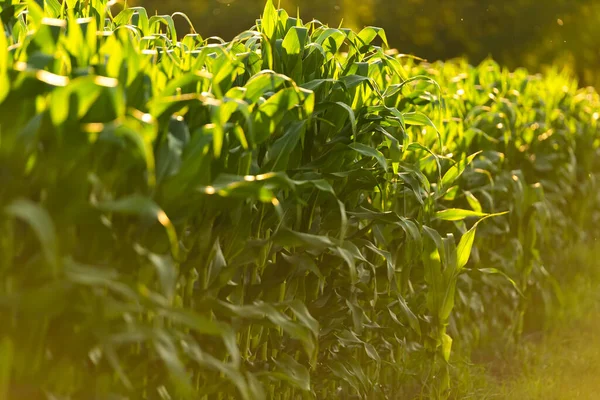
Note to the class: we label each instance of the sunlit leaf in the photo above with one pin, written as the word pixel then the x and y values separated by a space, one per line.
pixel 455 214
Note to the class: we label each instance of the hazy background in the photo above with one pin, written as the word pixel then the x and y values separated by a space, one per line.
pixel 529 33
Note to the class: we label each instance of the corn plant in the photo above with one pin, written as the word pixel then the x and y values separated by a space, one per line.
pixel 539 142
pixel 290 214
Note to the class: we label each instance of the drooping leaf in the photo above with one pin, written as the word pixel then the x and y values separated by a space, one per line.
pixel 457 170
pixel 370 152
pixel 41 223
pixel 455 214
pixel 465 245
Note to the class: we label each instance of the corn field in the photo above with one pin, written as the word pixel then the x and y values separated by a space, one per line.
pixel 299 213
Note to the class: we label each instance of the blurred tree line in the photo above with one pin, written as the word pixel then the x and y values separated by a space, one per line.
pixel 528 33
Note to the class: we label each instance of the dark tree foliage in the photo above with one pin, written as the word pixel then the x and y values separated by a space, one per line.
pixel 529 33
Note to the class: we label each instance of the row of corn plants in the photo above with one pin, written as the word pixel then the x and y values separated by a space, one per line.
pixel 541 133
pixel 297 213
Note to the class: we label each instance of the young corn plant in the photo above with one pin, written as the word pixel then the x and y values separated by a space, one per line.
pixel 539 142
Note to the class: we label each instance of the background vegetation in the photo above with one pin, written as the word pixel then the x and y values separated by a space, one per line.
pixel 516 33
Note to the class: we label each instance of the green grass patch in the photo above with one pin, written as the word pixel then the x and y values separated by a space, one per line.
pixel 559 361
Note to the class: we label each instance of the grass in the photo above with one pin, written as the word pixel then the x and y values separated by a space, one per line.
pixel 565 362
pixel 565 365
pixel 561 361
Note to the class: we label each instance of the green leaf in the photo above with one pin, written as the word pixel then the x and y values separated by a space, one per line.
pixel 456 214
pixel 369 33
pixel 370 152
pixel 99 277
pixel 169 354
pixel 349 258
pixel 124 16
pixel 253 186
pixel 279 154
pixel 286 237
pixel 143 206
pixel 52 8
pixel 195 321
pixel 473 202
pixel 35 13
pixel 263 82
pixel 242 383
pixel 295 40
pixel 165 269
pixel 269 20
pixel 142 130
pixel 132 205
pixel 417 118
pixel 217 264
pixel 457 170
pixel 465 245
pixel 3 50
pixel 292 371
pixel 41 222
pixel 85 91
pixel 451 193
pixel 413 321
pixel 446 346
pixel 495 271
pixel 4 81
pixel 331 40
pixel 432 262
pixel 143 22
pixel 351 115
pixel 372 353
pixel 156 21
